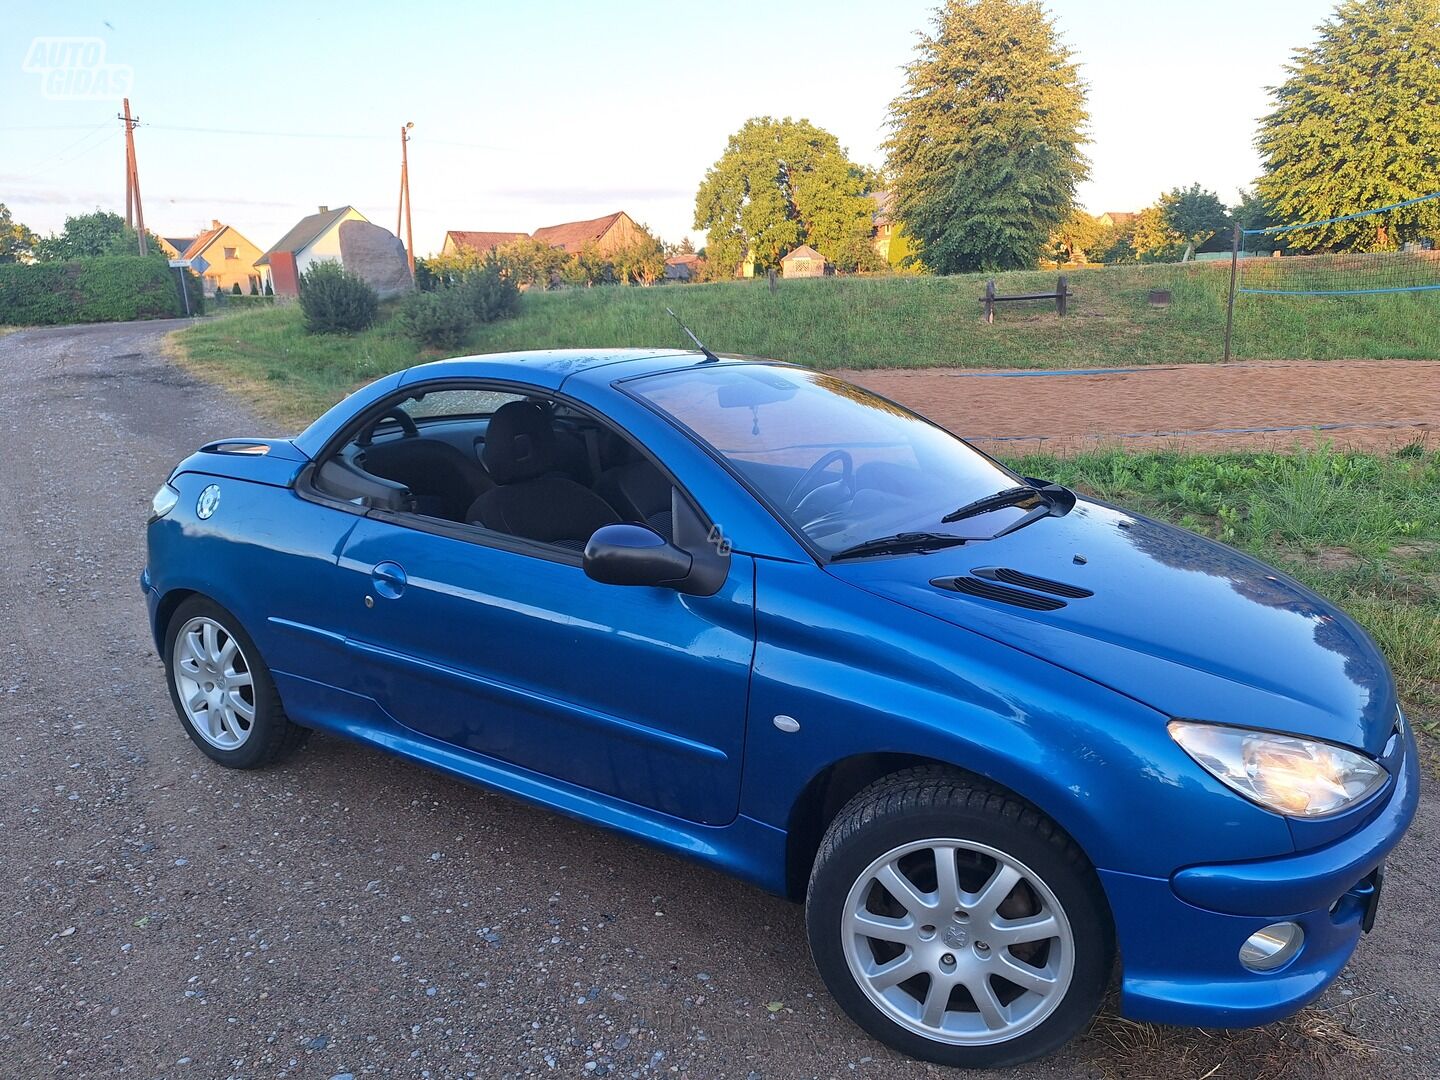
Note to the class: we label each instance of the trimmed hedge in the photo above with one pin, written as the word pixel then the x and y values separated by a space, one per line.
pixel 110 288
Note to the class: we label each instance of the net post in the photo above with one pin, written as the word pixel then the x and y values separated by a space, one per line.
pixel 1230 301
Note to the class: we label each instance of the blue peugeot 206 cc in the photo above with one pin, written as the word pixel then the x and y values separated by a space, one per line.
pixel 998 737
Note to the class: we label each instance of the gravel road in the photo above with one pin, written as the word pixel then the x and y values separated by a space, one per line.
pixel 349 913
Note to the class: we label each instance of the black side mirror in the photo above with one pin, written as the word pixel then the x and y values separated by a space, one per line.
pixel 635 555
pixel 638 555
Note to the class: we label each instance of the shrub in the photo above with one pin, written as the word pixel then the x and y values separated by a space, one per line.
pixel 269 290
pixel 335 300
pixel 440 319
pixel 109 288
pixel 490 292
pixel 254 288
pixel 235 289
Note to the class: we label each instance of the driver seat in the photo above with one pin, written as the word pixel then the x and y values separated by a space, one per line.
pixel 533 499
pixel 443 480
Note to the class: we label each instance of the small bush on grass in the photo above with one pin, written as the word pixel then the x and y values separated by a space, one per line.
pixel 335 300
pixel 490 293
pixel 440 319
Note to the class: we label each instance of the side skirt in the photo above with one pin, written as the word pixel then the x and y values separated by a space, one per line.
pixel 746 848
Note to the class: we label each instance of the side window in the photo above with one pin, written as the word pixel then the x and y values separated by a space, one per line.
pixel 525 466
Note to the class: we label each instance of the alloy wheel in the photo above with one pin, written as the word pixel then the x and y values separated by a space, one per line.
pixel 214 683
pixel 958 941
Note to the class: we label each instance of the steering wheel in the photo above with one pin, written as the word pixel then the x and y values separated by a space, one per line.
pixel 399 415
pixel 811 477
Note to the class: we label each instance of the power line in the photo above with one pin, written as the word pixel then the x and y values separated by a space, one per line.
pixel 340 135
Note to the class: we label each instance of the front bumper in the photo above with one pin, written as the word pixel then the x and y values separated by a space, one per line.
pixel 152 605
pixel 1180 937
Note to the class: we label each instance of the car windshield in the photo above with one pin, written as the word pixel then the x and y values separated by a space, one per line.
pixel 840 464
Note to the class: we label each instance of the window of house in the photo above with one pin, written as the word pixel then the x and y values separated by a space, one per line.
pixel 229 253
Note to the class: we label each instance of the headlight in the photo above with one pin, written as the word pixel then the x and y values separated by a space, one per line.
pixel 1285 773
pixel 163 502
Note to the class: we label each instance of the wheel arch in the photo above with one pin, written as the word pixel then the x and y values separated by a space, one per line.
pixel 828 791
pixel 165 610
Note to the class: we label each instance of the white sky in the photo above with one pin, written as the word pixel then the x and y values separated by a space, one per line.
pixel 530 114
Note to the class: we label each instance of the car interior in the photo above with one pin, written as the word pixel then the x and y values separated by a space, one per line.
pixel 532 468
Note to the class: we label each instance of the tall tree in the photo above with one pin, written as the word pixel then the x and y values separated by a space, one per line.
pixel 985 138
pixel 17 243
pixel 1356 125
pixel 780 184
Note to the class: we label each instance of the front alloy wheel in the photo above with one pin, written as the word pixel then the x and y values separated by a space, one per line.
pixel 213 683
pixel 222 690
pixel 957 941
pixel 956 923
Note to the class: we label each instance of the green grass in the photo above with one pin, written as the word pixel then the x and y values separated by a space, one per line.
pixel 1361 529
pixel 933 321
pixel 855 323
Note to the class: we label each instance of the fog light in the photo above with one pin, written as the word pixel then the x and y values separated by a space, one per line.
pixel 1271 946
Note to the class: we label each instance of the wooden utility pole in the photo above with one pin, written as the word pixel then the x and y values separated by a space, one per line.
pixel 404 213
pixel 134 211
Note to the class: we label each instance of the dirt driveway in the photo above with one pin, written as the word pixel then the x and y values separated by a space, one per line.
pixel 349 913
pixel 1274 404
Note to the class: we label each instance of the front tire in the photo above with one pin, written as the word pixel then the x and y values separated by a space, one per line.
pixel 222 690
pixel 957 924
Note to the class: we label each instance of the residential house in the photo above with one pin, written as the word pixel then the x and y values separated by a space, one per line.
pixel 172 246
pixel 309 240
pixel 884 224
pixel 229 254
pixel 1112 218
pixel 804 261
pixel 463 242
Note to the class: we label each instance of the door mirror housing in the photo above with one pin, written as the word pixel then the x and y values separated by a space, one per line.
pixel 635 555
pixel 638 555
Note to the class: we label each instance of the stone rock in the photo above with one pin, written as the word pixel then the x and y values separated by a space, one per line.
pixel 377 255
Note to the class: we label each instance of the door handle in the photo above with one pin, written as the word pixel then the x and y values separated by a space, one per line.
pixel 389 579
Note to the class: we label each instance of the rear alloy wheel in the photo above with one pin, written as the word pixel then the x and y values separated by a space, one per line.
pixel 957 924
pixel 222 690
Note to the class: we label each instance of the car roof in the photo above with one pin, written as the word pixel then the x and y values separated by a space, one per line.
pixel 549 368
pixel 543 369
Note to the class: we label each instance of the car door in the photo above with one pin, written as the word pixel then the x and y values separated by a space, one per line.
pixel 514 653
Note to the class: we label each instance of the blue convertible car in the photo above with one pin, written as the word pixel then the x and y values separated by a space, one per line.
pixel 997 736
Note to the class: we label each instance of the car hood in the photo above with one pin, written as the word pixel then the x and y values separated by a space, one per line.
pixel 1186 625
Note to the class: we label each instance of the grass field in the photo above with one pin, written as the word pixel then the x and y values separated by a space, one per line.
pixel 856 323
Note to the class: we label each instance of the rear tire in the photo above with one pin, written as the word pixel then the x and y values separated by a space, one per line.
pixel 222 690
pixel 957 924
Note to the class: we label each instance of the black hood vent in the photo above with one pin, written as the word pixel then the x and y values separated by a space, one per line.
pixel 1030 581
pixel 1001 594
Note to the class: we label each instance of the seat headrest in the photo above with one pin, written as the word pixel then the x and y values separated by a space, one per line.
pixel 520 443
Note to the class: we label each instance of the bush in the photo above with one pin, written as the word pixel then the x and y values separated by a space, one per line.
pixel 490 292
pixel 110 288
pixel 335 300
pixel 440 319
pixel 235 289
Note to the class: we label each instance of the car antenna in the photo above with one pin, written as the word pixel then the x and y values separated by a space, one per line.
pixel 710 357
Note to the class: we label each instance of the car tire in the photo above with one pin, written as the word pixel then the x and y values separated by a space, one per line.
pixel 222 690
pixel 911 986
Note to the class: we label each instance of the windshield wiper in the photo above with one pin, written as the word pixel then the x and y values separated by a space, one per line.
pixel 1012 496
pixel 900 543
